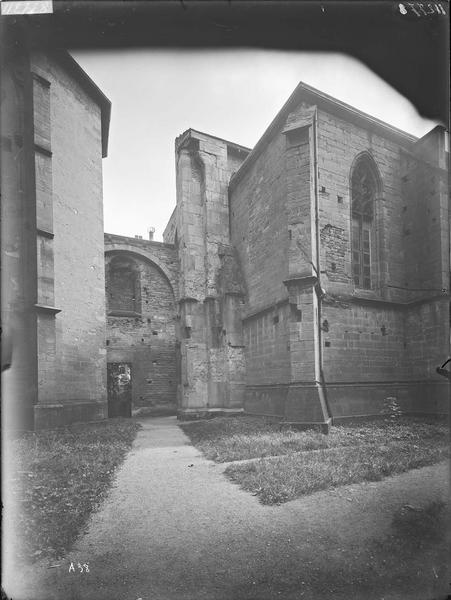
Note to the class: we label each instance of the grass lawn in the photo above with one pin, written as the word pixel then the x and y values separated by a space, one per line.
pixel 58 478
pixel 293 463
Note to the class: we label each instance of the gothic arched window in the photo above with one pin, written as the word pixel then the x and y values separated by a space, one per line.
pixel 364 190
pixel 123 286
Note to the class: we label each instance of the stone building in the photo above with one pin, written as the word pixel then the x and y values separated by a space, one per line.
pixel 55 124
pixel 312 278
pixel 306 278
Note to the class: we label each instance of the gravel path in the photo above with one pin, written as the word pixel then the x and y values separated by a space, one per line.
pixel 174 528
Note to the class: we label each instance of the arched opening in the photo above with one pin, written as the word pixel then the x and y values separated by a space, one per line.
pixel 365 188
pixel 123 286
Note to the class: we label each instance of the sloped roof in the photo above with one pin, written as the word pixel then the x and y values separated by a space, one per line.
pixel 306 93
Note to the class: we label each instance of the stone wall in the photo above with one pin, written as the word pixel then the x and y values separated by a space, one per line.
pixel 71 343
pixel 259 229
pixel 56 304
pixel 340 143
pixel 385 343
pixel 358 346
pixel 18 226
pixel 272 207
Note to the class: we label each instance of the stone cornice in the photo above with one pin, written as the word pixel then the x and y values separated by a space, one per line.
pixel 330 300
pixel 52 310
pixel 300 280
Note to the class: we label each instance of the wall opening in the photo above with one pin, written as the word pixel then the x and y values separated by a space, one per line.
pixel 123 286
pixel 365 189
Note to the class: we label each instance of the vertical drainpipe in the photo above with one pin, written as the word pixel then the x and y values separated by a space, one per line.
pixel 319 375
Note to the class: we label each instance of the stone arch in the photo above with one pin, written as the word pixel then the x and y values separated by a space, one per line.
pixel 366 155
pixel 365 162
pixel 146 255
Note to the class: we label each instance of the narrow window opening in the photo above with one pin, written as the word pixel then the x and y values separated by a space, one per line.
pixel 364 187
pixel 123 285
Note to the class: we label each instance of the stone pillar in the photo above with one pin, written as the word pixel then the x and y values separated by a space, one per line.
pixel 210 333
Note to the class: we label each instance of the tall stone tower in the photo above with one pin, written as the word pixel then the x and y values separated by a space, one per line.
pixel 211 289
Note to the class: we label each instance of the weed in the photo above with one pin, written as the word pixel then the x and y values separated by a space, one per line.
pixel 59 478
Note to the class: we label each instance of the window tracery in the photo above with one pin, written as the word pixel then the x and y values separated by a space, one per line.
pixel 364 191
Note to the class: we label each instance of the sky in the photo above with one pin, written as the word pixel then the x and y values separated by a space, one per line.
pixel 233 94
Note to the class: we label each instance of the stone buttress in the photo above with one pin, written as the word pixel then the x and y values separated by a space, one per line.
pixel 211 289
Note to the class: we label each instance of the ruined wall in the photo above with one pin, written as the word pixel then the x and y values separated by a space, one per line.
pixel 210 286
pixel 163 255
pixel 146 339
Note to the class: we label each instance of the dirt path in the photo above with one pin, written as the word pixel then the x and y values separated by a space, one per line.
pixel 174 528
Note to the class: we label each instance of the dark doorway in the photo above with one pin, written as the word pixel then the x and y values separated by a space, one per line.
pixel 119 382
